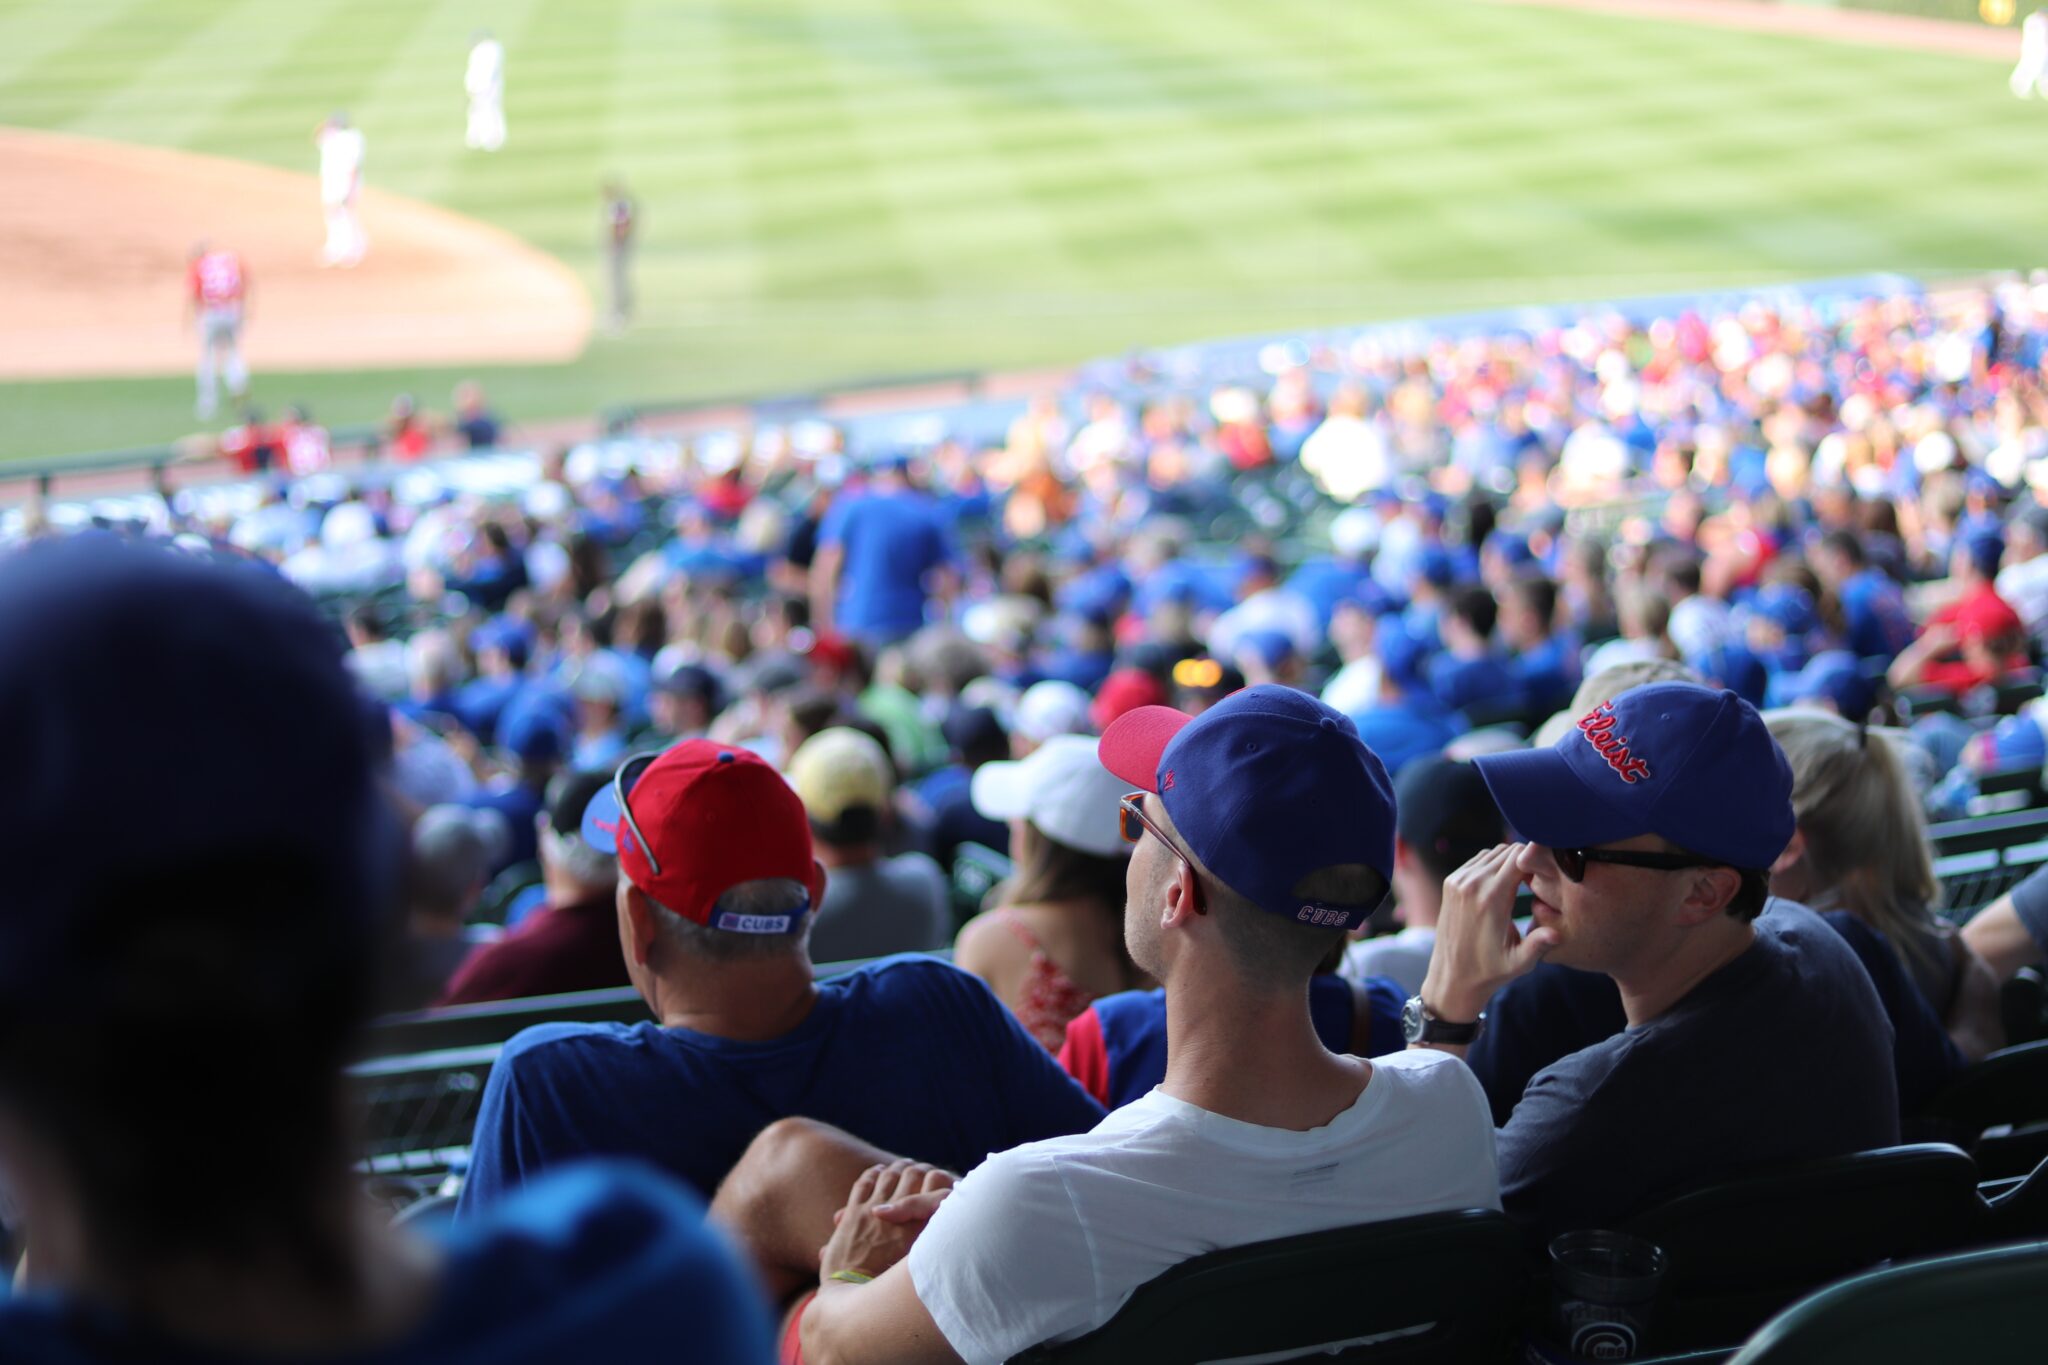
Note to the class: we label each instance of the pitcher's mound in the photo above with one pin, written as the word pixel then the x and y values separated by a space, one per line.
pixel 94 238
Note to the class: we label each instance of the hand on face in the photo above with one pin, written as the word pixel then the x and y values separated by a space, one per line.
pixel 1478 949
pixel 888 1206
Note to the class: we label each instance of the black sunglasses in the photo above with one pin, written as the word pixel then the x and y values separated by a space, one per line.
pixel 623 781
pixel 1572 861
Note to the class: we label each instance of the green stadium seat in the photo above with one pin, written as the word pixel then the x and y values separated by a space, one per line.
pixel 1980 1307
pixel 1998 1109
pixel 1741 1251
pixel 1440 1287
pixel 2022 1209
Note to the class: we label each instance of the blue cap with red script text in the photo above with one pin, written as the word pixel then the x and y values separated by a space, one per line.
pixel 1266 787
pixel 1690 764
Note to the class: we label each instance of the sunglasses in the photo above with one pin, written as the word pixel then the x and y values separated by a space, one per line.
pixel 1572 861
pixel 1132 823
pixel 624 781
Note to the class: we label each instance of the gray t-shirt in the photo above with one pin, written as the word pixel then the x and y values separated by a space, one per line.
pixel 897 905
pixel 2030 903
pixel 1782 1056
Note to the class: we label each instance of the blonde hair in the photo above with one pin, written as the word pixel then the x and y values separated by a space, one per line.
pixel 1866 842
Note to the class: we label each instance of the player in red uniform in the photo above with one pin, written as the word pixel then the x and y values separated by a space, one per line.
pixel 217 297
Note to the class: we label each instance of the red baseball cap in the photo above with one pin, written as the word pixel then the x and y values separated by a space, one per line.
pixel 1127 689
pixel 711 816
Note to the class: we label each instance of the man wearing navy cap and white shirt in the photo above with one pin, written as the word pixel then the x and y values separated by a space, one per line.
pixel 1750 1042
pixel 716 894
pixel 1263 829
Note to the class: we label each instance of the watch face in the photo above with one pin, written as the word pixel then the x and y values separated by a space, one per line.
pixel 1411 1019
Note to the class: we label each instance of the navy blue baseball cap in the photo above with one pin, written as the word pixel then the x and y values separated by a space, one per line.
pixel 1693 765
pixel 1265 787
pixel 174 711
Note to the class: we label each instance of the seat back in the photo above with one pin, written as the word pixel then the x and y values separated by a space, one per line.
pixel 1981 1306
pixel 1742 1250
pixel 2022 1211
pixel 1450 1284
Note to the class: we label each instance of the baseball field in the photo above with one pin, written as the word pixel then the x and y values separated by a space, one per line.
pixel 839 190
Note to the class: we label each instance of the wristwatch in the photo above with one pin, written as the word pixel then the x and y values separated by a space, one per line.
pixel 1418 1025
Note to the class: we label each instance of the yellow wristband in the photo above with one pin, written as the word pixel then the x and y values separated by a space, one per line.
pixel 850 1277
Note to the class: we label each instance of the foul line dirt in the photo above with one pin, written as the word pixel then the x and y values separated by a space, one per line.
pixel 94 237
pixel 1862 27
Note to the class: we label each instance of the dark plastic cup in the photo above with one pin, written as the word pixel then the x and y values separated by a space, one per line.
pixel 1604 1286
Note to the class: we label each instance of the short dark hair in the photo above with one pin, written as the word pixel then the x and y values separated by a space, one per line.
pixel 1273 951
pixel 1476 608
pixel 1537 592
pixel 1847 544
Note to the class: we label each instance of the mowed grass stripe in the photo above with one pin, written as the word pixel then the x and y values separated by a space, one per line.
pixel 34 33
pixel 333 66
pixel 191 81
pixel 106 56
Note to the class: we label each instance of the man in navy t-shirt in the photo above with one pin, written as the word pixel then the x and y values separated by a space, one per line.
pixel 717 889
pixel 880 554
pixel 1750 1043
pixel 185 980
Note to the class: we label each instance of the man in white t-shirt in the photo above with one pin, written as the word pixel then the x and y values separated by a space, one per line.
pixel 1263 831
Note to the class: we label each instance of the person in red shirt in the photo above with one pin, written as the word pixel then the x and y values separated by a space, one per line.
pixel 254 445
pixel 217 295
pixel 1976 639
pixel 406 434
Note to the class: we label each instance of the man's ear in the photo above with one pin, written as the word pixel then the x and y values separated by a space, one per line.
pixel 1794 851
pixel 819 878
pixel 1183 899
pixel 641 927
pixel 1709 893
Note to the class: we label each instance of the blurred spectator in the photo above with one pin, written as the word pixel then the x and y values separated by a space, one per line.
pixel 1543 659
pixel 1408 723
pixel 1047 709
pixel 377 660
pixel 939 807
pixel 2023 576
pixel 152 1238
pixel 474 421
pixel 685 699
pixel 407 437
pixel 1861 845
pixel 1470 675
pixel 1055 940
pixel 1444 817
pixel 2012 931
pixel 1872 604
pixel 454 850
pixel 873 905
pixel 572 944
pixel 1976 638
pixel 715 853
pixel 882 550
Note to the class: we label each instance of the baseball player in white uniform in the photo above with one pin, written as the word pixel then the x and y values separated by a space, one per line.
pixel 485 82
pixel 2028 76
pixel 341 183
pixel 217 291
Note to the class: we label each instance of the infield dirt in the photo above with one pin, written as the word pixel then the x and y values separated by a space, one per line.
pixel 94 239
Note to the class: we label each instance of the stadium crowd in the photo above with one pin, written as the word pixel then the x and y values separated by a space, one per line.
pixel 1487 774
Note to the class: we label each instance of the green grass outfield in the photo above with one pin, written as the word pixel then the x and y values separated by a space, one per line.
pixel 846 189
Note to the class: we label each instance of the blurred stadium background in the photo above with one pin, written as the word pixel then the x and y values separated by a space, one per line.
pixel 843 190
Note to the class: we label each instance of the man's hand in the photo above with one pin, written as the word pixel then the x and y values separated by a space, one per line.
pixel 888 1207
pixel 1478 950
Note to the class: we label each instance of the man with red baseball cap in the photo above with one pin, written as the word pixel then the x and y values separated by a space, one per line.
pixel 717 888
pixel 1263 830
